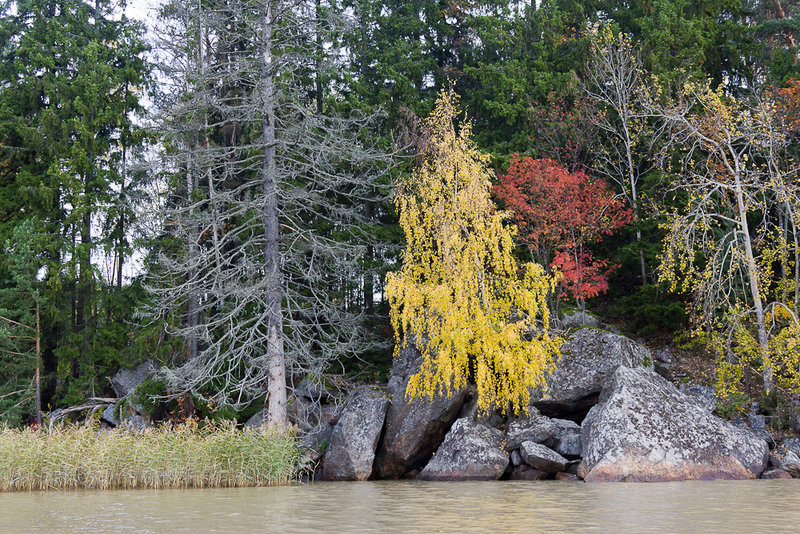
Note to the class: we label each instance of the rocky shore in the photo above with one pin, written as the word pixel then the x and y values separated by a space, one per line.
pixel 607 416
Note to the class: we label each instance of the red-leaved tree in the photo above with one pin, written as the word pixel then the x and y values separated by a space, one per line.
pixel 559 214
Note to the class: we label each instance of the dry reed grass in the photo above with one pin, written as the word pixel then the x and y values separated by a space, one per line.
pixel 74 457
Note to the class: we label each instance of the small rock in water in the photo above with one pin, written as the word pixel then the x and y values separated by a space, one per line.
pixel 775 473
pixel 567 476
pixel 526 472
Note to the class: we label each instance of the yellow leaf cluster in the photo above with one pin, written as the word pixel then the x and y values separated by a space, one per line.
pixel 473 312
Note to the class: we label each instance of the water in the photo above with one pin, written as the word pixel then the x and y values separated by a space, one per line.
pixel 417 507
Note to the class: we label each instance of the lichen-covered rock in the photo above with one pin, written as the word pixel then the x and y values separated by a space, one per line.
pixel 414 428
pixel 645 430
pixel 577 319
pixel 704 395
pixel 540 457
pixel 126 380
pixel 587 360
pixel 134 423
pixel 790 462
pixel 535 427
pixel 470 451
pixel 566 438
pixel 351 450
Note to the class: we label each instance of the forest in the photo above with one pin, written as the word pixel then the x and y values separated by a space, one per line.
pixel 237 192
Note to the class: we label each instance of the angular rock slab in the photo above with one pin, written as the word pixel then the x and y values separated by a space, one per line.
pixel 125 381
pixel 414 428
pixel 540 457
pixel 588 359
pixel 351 450
pixel 645 430
pixel 470 451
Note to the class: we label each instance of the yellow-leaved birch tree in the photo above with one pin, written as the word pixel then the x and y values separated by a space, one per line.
pixel 474 312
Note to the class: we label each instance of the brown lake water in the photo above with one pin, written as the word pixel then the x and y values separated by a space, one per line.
pixel 417 507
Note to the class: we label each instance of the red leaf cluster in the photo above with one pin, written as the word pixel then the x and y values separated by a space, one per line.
pixel 558 214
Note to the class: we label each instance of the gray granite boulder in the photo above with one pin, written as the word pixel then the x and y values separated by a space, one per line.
pixel 789 461
pixel 791 444
pixel 645 430
pixel 108 415
pixel 588 358
pixel 535 427
pixel 313 390
pixel 577 319
pixel 414 428
pixel 351 450
pixel 134 423
pixel 540 457
pixel 470 451
pixel 566 438
pixel 704 395
pixel 126 380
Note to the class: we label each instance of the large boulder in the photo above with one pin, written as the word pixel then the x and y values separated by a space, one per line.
pixel 470 451
pixel 126 380
pixel 587 360
pixel 645 430
pixel 351 450
pixel 414 428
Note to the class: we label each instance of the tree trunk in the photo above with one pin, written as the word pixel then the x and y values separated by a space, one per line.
pixel 752 275
pixel 276 387
pixel 635 202
pixel 38 418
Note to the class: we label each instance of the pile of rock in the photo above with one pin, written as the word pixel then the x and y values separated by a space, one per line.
pixel 127 412
pixel 605 416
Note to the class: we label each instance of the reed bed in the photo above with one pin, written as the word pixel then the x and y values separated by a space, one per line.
pixel 73 457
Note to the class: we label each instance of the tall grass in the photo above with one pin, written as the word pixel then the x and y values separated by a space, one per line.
pixel 184 457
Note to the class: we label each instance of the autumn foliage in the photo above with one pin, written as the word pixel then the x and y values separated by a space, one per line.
pixel 474 313
pixel 559 213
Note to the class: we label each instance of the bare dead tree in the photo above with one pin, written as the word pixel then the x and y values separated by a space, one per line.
pixel 739 188
pixel 269 228
pixel 614 82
